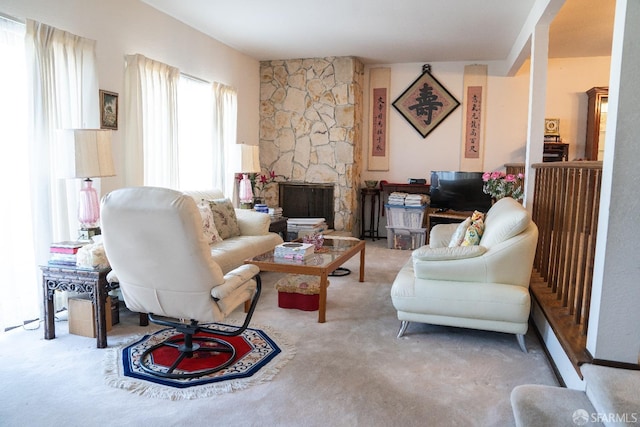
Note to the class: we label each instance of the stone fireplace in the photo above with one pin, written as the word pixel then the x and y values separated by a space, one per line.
pixel 311 128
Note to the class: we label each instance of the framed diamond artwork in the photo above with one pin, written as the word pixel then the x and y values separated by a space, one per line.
pixel 425 103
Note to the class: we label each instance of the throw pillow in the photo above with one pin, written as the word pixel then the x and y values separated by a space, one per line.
pixel 208 224
pixel 473 233
pixel 224 217
pixel 458 236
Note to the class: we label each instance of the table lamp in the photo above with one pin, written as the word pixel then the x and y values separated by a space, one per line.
pixel 88 155
pixel 250 163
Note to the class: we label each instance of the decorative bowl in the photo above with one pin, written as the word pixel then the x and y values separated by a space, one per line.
pixel 370 183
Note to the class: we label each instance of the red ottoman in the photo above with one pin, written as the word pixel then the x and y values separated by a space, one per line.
pixel 299 291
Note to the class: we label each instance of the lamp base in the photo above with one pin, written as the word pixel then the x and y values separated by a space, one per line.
pixel 86 234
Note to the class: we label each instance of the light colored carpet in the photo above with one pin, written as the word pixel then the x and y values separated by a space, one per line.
pixel 349 371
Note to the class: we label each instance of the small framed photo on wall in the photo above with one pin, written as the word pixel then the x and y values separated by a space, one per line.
pixel 108 110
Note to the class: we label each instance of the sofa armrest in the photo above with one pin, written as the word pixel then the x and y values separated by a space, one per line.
pixel 440 235
pixel 426 253
pixel 253 223
pixel 508 262
pixel 459 270
pixel 234 279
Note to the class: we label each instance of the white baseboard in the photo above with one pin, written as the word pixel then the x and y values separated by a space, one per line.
pixel 559 358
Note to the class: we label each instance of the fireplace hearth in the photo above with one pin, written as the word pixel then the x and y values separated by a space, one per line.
pixel 307 200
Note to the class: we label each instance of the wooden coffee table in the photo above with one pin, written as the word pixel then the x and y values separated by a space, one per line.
pixel 335 252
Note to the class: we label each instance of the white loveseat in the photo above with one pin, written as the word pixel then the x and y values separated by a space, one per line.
pixel 253 240
pixel 480 287
pixel 230 253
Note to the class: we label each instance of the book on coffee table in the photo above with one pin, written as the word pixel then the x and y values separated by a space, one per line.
pixel 293 250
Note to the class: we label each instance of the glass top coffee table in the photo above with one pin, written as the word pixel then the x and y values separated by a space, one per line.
pixel 335 251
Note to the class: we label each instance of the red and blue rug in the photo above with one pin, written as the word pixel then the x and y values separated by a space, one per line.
pixel 259 356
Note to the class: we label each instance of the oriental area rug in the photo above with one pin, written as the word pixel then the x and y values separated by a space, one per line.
pixel 260 354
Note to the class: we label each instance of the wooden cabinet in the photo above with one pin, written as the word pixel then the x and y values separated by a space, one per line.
pixel 555 152
pixel 596 122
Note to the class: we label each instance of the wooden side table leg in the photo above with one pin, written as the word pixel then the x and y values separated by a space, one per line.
pixel 143 319
pixel 99 301
pixel 49 321
pixel 362 264
pixel 363 230
pixel 322 306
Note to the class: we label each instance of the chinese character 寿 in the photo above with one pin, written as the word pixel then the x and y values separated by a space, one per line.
pixel 427 103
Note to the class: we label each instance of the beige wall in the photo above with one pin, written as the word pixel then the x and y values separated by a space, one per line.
pixel 412 156
pixel 123 27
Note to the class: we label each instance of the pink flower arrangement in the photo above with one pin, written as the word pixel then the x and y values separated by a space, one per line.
pixel 499 184
pixel 260 181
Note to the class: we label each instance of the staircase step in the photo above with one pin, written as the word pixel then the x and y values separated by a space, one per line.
pixel 541 405
pixel 614 393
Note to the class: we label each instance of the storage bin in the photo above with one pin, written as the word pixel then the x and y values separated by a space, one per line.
pixel 405 238
pixel 405 216
pixel 82 316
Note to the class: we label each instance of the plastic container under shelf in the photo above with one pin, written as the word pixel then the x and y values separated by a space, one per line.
pixel 405 238
pixel 405 216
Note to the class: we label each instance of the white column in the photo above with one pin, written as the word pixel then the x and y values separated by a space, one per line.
pixel 614 318
pixel 537 105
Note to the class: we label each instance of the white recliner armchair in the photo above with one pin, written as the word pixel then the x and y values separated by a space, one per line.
pixel 153 238
pixel 480 287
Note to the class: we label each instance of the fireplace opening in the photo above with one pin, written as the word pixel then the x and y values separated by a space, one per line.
pixel 304 200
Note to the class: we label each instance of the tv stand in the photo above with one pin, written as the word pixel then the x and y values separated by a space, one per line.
pixel 446 216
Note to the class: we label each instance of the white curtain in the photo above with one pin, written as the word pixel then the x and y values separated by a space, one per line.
pixel 17 258
pixel 225 121
pixel 62 67
pixel 150 110
pixel 48 81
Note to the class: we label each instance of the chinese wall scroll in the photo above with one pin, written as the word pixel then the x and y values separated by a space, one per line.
pixel 475 93
pixel 379 82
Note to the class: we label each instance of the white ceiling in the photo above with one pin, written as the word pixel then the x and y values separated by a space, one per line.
pixel 392 31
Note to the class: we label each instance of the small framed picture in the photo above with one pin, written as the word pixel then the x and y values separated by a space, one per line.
pixel 108 110
pixel 552 127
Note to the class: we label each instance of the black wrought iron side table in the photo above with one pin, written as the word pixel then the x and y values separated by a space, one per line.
pixel 374 213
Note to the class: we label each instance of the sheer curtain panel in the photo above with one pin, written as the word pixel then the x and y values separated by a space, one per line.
pixel 227 155
pixel 152 122
pixel 49 76
pixel 17 257
pixel 64 84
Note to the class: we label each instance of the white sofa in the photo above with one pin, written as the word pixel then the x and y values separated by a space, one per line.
pixel 480 287
pixel 230 253
pixel 253 240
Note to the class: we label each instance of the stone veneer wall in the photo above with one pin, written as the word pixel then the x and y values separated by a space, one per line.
pixel 311 127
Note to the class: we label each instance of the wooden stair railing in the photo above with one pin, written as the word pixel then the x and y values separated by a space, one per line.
pixel 565 208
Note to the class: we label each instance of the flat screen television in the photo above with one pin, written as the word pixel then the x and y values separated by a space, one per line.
pixel 458 191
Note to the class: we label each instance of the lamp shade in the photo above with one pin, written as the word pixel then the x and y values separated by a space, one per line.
pixel 250 158
pixel 86 153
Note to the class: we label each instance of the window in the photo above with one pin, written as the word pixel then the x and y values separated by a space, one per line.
pixel 195 135
pixel 184 128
